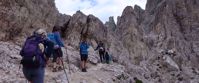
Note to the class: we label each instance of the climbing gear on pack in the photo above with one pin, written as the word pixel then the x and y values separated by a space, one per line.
pixel 101 49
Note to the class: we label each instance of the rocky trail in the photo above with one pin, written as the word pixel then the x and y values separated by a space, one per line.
pixel 101 73
pixel 97 73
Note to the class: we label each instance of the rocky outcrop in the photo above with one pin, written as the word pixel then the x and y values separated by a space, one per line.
pixel 111 23
pixel 81 26
pixel 139 13
pixel 156 45
pixel 11 70
pixel 166 26
pixel 62 19
pixel 130 34
pixel 21 17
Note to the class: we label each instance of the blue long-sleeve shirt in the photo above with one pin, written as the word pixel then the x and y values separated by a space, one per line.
pixel 58 39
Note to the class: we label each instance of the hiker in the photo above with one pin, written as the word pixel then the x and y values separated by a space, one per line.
pixel 107 56
pixel 84 54
pixel 33 58
pixel 101 49
pixel 57 51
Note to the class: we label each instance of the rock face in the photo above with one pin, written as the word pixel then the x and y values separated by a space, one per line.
pixel 166 25
pixel 21 17
pixel 11 71
pixel 81 26
pixel 157 45
pixel 111 23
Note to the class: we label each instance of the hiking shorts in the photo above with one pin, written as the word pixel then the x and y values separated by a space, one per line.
pixel 34 75
pixel 57 53
pixel 84 57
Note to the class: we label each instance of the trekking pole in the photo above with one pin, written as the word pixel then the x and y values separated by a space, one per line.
pixel 68 61
pixel 65 71
pixel 19 68
pixel 64 66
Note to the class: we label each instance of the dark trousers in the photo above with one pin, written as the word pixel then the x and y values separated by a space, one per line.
pixel 102 57
pixel 57 53
pixel 34 75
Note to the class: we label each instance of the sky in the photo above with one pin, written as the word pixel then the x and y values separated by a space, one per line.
pixel 102 9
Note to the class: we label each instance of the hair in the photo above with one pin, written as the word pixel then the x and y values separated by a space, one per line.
pixel 39 31
pixel 56 28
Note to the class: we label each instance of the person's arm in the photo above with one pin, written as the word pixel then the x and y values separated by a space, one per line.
pixel 58 39
pixel 80 50
pixel 97 47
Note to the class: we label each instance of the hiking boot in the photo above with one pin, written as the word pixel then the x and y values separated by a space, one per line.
pixel 84 70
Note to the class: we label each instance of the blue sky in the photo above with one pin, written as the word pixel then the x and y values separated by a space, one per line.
pixel 102 9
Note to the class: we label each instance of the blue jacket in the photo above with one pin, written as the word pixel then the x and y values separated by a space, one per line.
pixel 84 48
pixel 56 38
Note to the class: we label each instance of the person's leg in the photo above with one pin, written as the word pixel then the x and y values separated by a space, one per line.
pixel 55 57
pixel 103 56
pixel 85 62
pixel 107 58
pixel 82 62
pixel 100 54
pixel 60 55
pixel 39 75
pixel 27 74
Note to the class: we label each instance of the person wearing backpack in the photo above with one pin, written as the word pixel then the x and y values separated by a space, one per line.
pixel 84 54
pixel 57 51
pixel 107 56
pixel 33 59
pixel 101 49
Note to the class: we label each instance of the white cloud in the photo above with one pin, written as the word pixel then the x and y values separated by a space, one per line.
pixel 102 9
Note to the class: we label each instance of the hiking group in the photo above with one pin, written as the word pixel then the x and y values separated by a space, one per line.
pixel 41 46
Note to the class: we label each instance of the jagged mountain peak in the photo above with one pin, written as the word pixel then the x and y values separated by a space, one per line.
pixel 156 45
pixel 128 10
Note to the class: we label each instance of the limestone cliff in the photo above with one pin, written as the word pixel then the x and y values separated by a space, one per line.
pixel 21 17
pixel 157 45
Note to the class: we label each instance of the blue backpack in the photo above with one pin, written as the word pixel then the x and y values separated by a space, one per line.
pixel 31 54
pixel 51 37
